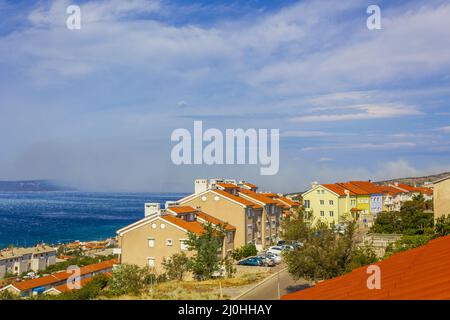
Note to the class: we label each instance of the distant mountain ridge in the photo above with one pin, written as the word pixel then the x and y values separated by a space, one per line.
pixel 412 181
pixel 33 185
pixel 417 181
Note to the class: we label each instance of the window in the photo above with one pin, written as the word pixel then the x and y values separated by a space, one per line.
pixel 249 212
pixel 230 237
pixel 331 213
pixel 183 244
pixel 318 191
pixel 353 202
pixel 151 242
pixel 331 202
pixel 307 204
pixel 169 242
pixel 151 262
pixel 322 213
pixel 322 202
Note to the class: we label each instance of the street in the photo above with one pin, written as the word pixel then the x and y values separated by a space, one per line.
pixel 269 289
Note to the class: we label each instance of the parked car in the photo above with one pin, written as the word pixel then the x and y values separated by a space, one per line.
pixel 297 244
pixel 287 247
pixel 281 243
pixel 253 261
pixel 267 261
pixel 275 257
pixel 275 249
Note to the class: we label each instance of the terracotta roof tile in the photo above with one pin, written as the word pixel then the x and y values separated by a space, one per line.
pixel 368 186
pixel 422 273
pixel 192 226
pixel 235 198
pixel 227 185
pixel 181 209
pixel 214 220
pixel 336 189
pixel 63 275
pixel 353 188
pixel 258 196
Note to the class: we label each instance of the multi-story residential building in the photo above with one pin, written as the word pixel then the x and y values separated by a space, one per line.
pixel 393 198
pixel 441 197
pixel 161 234
pixel 329 203
pixel 256 216
pixel 20 260
pixel 241 213
pixel 375 193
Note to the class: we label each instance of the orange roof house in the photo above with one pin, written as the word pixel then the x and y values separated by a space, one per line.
pixel 58 278
pixel 418 274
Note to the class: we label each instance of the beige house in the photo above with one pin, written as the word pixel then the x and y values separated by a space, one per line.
pixel 242 208
pixel 148 241
pixel 441 196
pixel 20 260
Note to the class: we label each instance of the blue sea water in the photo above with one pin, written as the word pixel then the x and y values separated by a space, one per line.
pixel 27 218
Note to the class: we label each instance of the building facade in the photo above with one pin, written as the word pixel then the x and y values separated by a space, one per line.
pixel 21 260
pixel 441 197
pixel 148 241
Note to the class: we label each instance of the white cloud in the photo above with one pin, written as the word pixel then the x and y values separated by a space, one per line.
pixel 359 112
pixel 445 129
pixel 364 146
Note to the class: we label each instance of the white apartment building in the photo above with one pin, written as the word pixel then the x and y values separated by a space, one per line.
pixel 20 260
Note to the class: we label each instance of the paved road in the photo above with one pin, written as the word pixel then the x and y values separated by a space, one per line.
pixel 269 289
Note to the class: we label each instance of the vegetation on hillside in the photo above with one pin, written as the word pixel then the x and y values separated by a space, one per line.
pixel 324 253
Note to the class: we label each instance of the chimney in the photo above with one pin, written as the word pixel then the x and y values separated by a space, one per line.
pixel 152 209
pixel 201 185
pixel 314 184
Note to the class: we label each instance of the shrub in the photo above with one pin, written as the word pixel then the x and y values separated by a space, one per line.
pixel 129 279
pixel 245 251
pixel 176 266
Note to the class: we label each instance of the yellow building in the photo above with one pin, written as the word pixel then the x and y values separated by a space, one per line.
pixel 330 203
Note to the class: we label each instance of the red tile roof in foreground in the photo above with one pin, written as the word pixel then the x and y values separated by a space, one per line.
pixel 417 274
pixel 63 275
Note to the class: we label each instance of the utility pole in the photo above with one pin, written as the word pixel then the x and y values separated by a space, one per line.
pixel 278 280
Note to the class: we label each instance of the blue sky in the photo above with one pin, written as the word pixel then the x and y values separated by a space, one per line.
pixel 95 107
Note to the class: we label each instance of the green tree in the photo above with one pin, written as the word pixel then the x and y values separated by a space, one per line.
pixel 8 295
pixel 90 290
pixel 229 266
pixel 326 254
pixel 407 242
pixel 410 220
pixel 387 222
pixel 414 219
pixel 361 256
pixel 176 266
pixel 245 251
pixel 129 279
pixel 207 247
pixel 295 227
pixel 442 226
